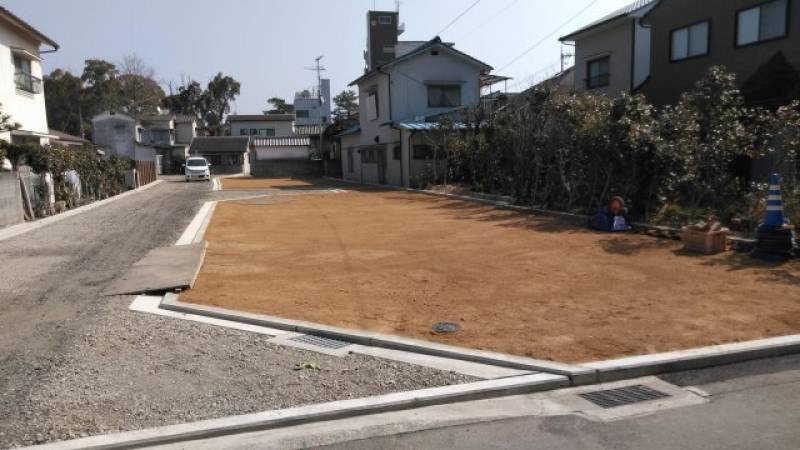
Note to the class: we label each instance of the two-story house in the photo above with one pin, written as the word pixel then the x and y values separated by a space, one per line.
pixel 660 48
pixel 398 97
pixel 612 54
pixel 162 138
pixel 21 89
pixel 688 37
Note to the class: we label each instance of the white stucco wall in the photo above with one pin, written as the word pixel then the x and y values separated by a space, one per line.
pixel 282 128
pixel 25 108
pixel 410 80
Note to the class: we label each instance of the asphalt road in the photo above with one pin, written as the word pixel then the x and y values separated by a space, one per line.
pixel 752 405
pixel 75 363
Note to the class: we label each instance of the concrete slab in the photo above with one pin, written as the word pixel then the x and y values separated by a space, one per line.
pixel 162 269
pixel 315 413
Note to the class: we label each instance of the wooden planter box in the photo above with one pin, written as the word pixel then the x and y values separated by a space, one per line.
pixel 709 243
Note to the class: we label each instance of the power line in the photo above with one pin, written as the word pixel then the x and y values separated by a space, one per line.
pixel 487 21
pixel 549 35
pixel 458 17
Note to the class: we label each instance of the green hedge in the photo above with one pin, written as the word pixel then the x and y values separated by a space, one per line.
pixel 100 177
pixel 571 151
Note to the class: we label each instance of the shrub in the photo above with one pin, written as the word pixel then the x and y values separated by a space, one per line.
pixel 573 150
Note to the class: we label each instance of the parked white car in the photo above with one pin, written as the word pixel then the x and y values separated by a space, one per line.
pixel 197 169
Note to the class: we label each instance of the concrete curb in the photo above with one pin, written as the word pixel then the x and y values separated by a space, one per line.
pixel 585 373
pixel 22 228
pixel 196 229
pixel 696 358
pixel 577 374
pixel 315 413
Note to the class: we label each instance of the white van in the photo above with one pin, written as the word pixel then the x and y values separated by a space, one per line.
pixel 197 169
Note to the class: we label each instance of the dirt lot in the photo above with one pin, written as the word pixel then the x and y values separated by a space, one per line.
pixel 275 183
pixel 397 262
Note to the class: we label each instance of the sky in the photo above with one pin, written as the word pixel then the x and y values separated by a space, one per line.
pixel 267 44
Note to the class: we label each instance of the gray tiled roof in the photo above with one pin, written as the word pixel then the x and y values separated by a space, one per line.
pixel 281 142
pixel 626 10
pixel 219 144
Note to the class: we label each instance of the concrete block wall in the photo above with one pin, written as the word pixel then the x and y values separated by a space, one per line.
pixel 10 200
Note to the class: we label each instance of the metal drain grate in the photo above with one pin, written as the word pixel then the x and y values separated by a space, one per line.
pixel 318 341
pixel 628 395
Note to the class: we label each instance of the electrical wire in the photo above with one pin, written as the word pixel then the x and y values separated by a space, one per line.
pixel 459 17
pixel 549 35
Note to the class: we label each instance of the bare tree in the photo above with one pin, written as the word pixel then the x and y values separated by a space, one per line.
pixel 140 91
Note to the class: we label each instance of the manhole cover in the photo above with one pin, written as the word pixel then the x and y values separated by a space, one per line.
pixel 628 395
pixel 446 327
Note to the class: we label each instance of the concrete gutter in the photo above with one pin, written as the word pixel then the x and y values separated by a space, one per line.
pixel 314 413
pixel 22 228
pixel 576 374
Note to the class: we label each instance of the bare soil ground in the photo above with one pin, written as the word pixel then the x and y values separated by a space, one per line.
pixel 396 262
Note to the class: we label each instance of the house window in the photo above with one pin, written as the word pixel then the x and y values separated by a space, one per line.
pixel 243 132
pixel 372 105
pixel 385 20
pixel 765 22
pixel 397 153
pixel 690 42
pixel 423 152
pixel 301 114
pixel 444 96
pixel 598 72
pixel 23 77
pixel 253 132
pixel 350 165
pixel 369 156
pixel 268 132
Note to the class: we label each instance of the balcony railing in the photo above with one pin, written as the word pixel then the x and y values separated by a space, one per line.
pixel 28 83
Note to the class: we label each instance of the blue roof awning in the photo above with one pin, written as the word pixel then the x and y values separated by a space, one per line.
pixel 424 126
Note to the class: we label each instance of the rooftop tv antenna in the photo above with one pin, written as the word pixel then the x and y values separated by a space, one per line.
pixel 319 68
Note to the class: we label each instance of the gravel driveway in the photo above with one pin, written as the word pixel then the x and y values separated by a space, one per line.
pixel 74 363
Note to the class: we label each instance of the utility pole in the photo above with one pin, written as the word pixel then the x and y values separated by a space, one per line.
pixel 319 68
